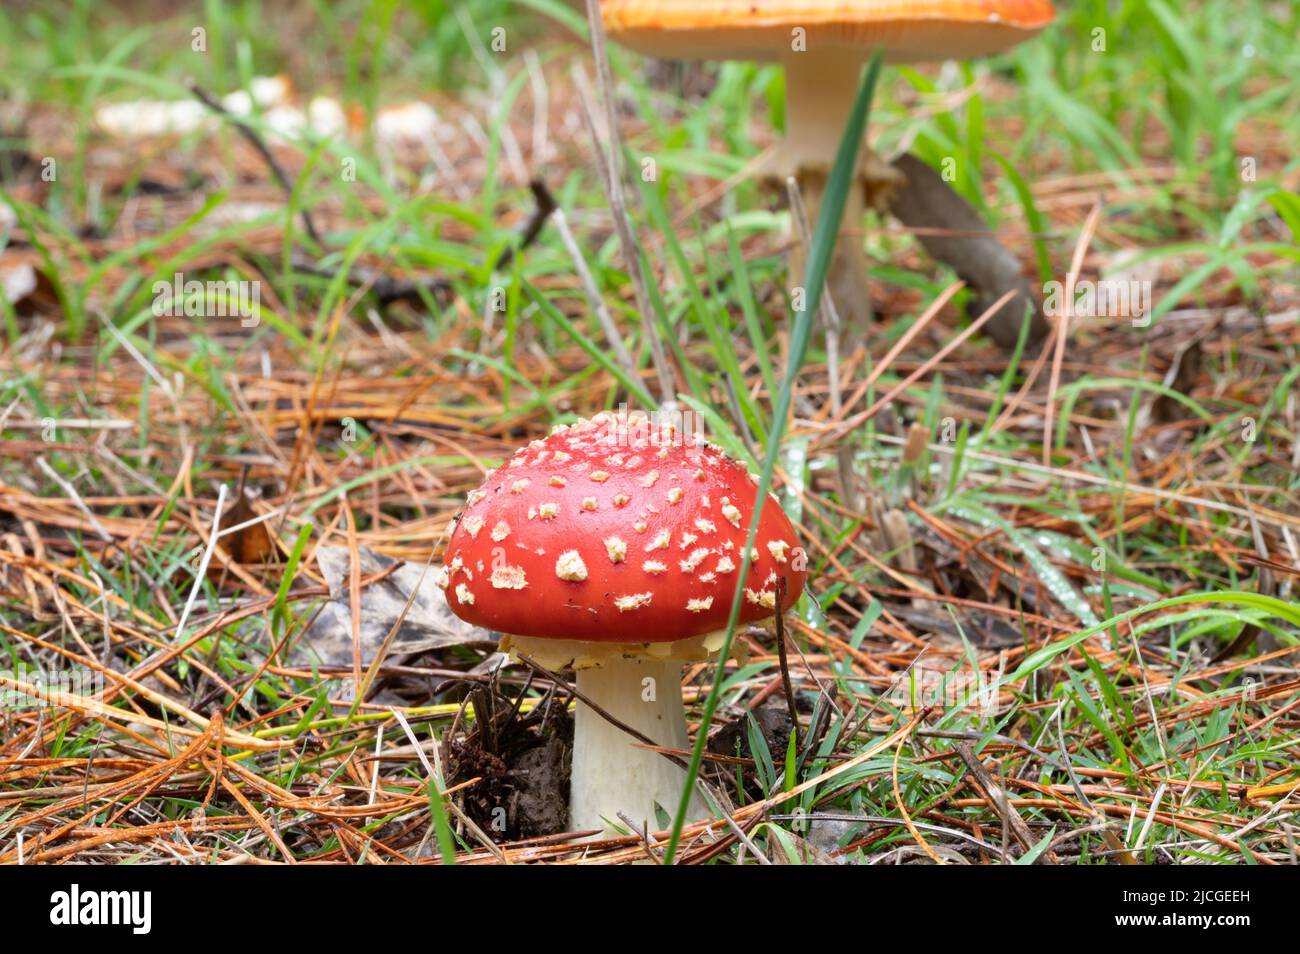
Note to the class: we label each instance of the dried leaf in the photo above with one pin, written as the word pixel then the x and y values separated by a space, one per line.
pixel 428 622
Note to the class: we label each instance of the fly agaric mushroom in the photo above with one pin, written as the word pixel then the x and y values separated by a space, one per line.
pixel 614 545
pixel 822 45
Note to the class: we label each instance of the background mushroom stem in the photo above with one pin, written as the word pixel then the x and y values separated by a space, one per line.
pixel 819 91
pixel 611 773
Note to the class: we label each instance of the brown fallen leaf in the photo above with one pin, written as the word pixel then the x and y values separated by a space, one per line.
pixel 951 231
pixel 426 624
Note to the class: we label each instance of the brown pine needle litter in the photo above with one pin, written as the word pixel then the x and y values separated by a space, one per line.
pixel 1051 615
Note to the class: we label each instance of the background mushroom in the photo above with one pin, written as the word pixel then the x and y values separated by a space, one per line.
pixel 822 46
pixel 614 546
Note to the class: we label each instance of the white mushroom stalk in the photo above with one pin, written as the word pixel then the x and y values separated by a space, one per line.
pixel 614 779
pixel 611 772
pixel 819 91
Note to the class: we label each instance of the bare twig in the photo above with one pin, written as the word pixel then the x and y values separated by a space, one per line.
pixel 790 701
pixel 593 294
pixel 991 790
pixel 250 134
pixel 611 163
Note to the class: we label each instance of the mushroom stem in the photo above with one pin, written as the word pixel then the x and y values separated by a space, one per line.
pixel 819 90
pixel 820 87
pixel 611 773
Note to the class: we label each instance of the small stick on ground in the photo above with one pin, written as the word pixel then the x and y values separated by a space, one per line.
pixel 593 295
pixel 785 665
pixel 389 289
pixel 544 207
pixel 612 167
pixel 991 790
pixel 75 497
pixel 250 134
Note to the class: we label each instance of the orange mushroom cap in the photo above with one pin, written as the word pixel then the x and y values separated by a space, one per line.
pixel 906 30
pixel 612 530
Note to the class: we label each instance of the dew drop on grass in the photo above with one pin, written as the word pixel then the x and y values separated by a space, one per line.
pixel 794 460
pixel 1053 579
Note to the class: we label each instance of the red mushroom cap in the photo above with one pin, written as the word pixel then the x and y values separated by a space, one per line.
pixel 617 530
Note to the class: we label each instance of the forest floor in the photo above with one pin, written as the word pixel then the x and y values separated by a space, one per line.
pixel 1051 613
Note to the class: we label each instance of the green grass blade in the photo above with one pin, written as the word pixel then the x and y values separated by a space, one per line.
pixel 824 238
